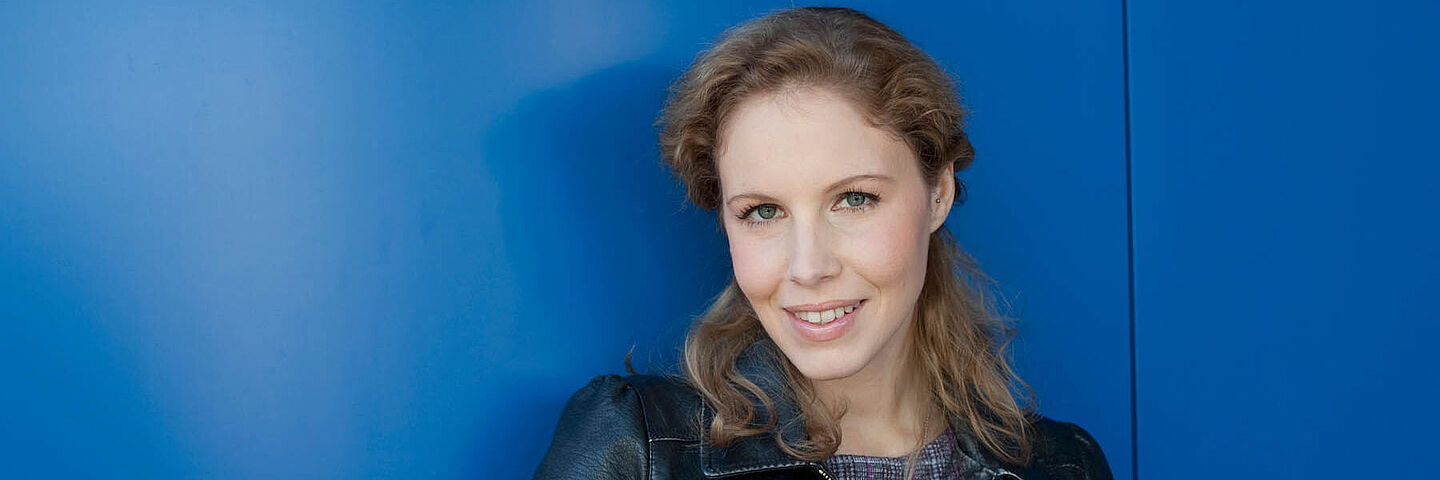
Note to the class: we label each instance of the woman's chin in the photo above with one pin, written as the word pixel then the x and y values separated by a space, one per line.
pixel 823 366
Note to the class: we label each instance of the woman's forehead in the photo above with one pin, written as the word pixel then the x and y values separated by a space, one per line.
pixel 805 137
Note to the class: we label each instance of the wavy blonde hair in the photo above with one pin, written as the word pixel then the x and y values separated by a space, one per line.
pixel 958 338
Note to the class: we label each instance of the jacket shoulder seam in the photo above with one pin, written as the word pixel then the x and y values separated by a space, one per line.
pixel 644 424
pixel 648 385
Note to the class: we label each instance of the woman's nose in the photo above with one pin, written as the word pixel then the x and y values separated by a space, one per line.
pixel 812 253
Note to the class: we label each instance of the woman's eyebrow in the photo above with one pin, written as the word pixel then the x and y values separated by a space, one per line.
pixel 855 178
pixel 833 187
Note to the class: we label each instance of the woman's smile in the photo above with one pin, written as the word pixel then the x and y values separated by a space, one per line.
pixel 824 325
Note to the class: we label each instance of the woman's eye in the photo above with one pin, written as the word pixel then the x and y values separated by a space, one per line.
pixel 855 199
pixel 759 214
pixel 766 211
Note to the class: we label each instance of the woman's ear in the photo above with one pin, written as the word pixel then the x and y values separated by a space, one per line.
pixel 942 196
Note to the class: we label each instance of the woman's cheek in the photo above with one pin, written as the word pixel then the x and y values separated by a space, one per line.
pixel 886 249
pixel 759 266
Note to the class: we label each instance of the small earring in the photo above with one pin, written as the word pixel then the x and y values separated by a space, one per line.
pixel 937 200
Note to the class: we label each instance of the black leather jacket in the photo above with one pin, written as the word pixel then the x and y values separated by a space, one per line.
pixel 645 427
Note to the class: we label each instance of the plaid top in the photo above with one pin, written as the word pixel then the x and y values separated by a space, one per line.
pixel 938 460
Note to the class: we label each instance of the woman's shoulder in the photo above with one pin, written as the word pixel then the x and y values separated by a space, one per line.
pixel 1066 450
pixel 668 406
pixel 607 425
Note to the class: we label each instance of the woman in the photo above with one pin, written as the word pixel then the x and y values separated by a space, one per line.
pixel 854 340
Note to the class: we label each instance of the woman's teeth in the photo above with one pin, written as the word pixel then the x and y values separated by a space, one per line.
pixel 825 316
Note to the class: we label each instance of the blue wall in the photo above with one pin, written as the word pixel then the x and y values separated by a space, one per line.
pixel 389 240
pixel 1286 237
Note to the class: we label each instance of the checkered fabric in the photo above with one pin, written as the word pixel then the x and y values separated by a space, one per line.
pixel 938 460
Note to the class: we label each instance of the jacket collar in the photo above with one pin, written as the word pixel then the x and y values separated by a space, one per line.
pixel 760 364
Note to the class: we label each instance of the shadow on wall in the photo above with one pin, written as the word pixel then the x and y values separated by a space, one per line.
pixel 603 248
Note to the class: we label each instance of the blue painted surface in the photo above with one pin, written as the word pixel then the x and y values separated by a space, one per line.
pixel 389 240
pixel 1286 238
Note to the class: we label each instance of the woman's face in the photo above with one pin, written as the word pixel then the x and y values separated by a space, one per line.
pixel 829 221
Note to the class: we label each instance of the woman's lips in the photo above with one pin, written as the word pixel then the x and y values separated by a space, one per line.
pixel 826 332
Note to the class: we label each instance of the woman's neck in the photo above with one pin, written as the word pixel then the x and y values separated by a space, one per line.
pixel 887 403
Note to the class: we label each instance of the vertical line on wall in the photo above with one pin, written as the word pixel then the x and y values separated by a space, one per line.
pixel 1130 237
